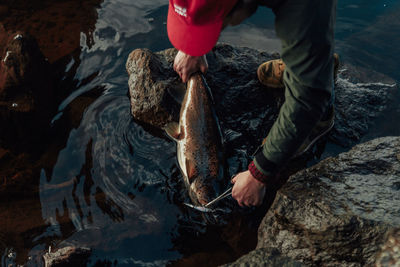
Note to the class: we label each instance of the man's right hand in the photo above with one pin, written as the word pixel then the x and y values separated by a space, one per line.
pixel 185 65
pixel 247 191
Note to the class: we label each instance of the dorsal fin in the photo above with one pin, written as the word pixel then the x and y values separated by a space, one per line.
pixel 172 129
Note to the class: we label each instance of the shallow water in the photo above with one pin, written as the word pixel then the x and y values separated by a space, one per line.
pixel 112 184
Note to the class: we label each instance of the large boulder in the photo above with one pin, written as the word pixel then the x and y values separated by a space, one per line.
pixel 338 212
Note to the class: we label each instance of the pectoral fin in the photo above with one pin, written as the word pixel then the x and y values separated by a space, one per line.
pixel 190 170
pixel 173 131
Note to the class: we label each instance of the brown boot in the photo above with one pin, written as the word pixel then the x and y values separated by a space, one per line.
pixel 270 73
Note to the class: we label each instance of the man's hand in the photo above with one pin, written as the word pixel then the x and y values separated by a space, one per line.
pixel 185 65
pixel 247 190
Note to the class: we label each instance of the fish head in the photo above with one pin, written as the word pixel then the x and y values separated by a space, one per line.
pixel 203 190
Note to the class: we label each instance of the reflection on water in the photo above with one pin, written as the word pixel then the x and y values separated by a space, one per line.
pixel 110 179
pixel 109 183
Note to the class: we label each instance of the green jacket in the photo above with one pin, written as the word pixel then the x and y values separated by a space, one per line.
pixel 306 29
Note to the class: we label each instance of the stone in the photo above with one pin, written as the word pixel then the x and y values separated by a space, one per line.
pixel 149 82
pixel 56 25
pixel 338 212
pixel 67 256
pixel 22 64
pixel 26 96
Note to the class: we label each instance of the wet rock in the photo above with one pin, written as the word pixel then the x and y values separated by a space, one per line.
pixel 359 100
pixel 57 25
pixel 22 63
pixel 246 109
pixel 26 97
pixel 150 78
pixel 67 256
pixel 264 257
pixel 390 253
pixel 338 212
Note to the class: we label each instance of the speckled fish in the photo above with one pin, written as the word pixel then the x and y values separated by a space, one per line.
pixel 199 142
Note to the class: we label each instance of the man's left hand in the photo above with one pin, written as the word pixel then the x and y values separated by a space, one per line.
pixel 185 65
pixel 247 190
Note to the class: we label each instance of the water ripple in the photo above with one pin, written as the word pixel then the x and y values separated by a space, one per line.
pixel 111 174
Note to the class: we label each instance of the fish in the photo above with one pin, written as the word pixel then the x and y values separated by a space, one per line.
pixel 199 142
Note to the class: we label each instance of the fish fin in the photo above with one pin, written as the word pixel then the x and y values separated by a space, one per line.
pixel 172 129
pixel 177 92
pixel 190 170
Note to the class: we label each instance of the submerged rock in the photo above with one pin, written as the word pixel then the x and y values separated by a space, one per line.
pixel 58 26
pixel 338 212
pixel 26 96
pixel 67 256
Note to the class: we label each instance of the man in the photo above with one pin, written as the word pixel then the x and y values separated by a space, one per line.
pixel 305 28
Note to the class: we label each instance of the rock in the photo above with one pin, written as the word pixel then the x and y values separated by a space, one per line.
pixel 232 78
pixel 390 253
pixel 22 65
pixel 56 25
pixel 149 82
pixel 26 97
pixel 264 257
pixel 338 212
pixel 67 256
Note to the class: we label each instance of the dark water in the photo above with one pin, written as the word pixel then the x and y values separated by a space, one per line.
pixel 112 184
